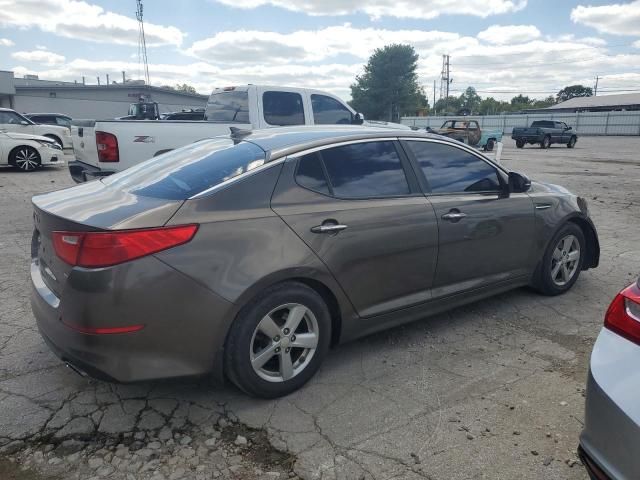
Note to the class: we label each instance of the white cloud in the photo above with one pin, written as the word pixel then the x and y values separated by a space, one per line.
pixel 5 42
pixel 84 21
pixel 636 44
pixel 424 9
pixel 615 19
pixel 39 56
pixel 509 34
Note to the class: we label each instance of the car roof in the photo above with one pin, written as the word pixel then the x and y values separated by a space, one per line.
pixel 281 141
pixel 51 114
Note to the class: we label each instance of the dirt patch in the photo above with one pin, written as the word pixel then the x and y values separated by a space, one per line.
pixel 12 471
pixel 260 451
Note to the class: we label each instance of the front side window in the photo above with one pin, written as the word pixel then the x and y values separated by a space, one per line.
pixel 62 121
pixel 329 111
pixel 449 169
pixel 229 106
pixel 360 170
pixel 283 108
pixel 187 171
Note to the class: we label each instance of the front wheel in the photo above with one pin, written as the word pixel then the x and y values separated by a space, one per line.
pixel 25 158
pixel 490 144
pixel 572 142
pixel 519 143
pixel 562 261
pixel 278 341
pixel 546 142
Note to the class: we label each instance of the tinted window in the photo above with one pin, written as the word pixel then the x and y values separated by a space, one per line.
pixel 189 170
pixel 232 106
pixel 310 174
pixel 543 124
pixel 452 170
pixel 362 170
pixel 328 111
pixel 283 108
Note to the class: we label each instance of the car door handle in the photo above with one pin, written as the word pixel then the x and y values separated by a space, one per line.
pixel 454 216
pixel 328 228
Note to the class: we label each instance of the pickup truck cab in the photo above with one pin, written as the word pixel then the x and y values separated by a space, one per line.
pixel 544 133
pixel 469 132
pixel 13 122
pixel 104 147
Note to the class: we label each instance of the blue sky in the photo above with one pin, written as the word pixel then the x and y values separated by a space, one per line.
pixel 502 47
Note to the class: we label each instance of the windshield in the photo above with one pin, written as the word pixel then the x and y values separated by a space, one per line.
pixel 229 106
pixel 187 171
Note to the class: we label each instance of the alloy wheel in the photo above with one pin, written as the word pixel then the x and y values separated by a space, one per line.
pixel 27 159
pixel 565 260
pixel 284 342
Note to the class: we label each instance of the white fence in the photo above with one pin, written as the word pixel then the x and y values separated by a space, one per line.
pixel 585 123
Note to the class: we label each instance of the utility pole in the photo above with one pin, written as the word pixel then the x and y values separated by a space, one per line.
pixel 445 79
pixel 142 43
pixel 433 99
pixel 595 90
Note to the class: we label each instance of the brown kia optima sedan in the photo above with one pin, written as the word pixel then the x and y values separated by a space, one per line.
pixel 248 256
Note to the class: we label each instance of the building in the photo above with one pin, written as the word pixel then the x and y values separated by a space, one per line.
pixel 30 95
pixel 602 103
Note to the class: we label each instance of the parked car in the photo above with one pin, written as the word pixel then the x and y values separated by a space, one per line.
pixel 279 243
pixel 12 122
pixel 28 152
pixel 192 115
pixel 609 444
pixel 50 119
pixel 106 146
pixel 469 132
pixel 545 133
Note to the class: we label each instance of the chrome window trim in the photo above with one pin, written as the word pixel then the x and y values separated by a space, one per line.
pixel 238 178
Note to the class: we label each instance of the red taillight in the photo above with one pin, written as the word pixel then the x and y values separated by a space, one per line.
pixel 623 315
pixel 104 249
pixel 107 144
pixel 104 330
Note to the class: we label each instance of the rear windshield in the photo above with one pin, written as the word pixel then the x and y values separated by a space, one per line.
pixel 231 106
pixel 543 124
pixel 187 171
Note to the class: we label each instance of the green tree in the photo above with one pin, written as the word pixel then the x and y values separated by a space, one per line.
pixel 470 100
pixel 389 86
pixel 185 88
pixel 547 102
pixel 573 91
pixel 448 106
pixel 491 106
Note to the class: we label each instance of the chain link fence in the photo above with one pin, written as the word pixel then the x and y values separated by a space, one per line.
pixel 584 123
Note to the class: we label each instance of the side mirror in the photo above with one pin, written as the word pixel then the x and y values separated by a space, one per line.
pixel 24 122
pixel 569 128
pixel 518 183
pixel 358 119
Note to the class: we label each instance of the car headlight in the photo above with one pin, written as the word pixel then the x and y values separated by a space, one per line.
pixel 53 145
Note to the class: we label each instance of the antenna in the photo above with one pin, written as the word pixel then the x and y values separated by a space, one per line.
pixel 142 43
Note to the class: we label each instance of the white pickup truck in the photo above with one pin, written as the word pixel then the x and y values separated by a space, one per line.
pixel 103 147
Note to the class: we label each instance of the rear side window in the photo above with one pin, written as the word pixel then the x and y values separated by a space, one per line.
pixel 542 124
pixel 187 171
pixel 231 106
pixel 329 111
pixel 283 108
pixel 361 170
pixel 449 169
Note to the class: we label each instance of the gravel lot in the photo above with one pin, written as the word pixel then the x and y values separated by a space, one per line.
pixel 492 390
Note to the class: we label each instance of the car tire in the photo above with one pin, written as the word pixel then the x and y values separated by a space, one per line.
pixel 25 158
pixel 559 270
pixel 262 356
pixel 519 143
pixel 490 144
pixel 546 142
pixel 572 142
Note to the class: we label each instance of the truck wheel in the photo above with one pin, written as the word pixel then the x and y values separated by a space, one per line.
pixel 546 142
pixel 490 144
pixel 572 142
pixel 519 143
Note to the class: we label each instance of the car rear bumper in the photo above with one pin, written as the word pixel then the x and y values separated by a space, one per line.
pixel 184 324
pixel 609 440
pixel 83 172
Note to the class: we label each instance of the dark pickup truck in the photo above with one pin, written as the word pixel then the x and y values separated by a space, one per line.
pixel 544 133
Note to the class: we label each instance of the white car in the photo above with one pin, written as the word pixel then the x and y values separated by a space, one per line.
pixel 12 122
pixel 29 152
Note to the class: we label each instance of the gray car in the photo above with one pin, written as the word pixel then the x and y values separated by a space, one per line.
pixel 610 443
pixel 248 256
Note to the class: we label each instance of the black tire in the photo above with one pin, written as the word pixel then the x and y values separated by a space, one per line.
pixel 239 344
pixel 490 144
pixel 572 142
pixel 519 143
pixel 54 138
pixel 25 158
pixel 544 282
pixel 546 142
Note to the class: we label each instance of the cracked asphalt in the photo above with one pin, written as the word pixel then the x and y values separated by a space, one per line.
pixel 491 390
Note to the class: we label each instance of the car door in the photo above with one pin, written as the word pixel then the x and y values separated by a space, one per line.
pixel 485 234
pixel 329 111
pixel 359 208
pixel 566 133
pixel 12 122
